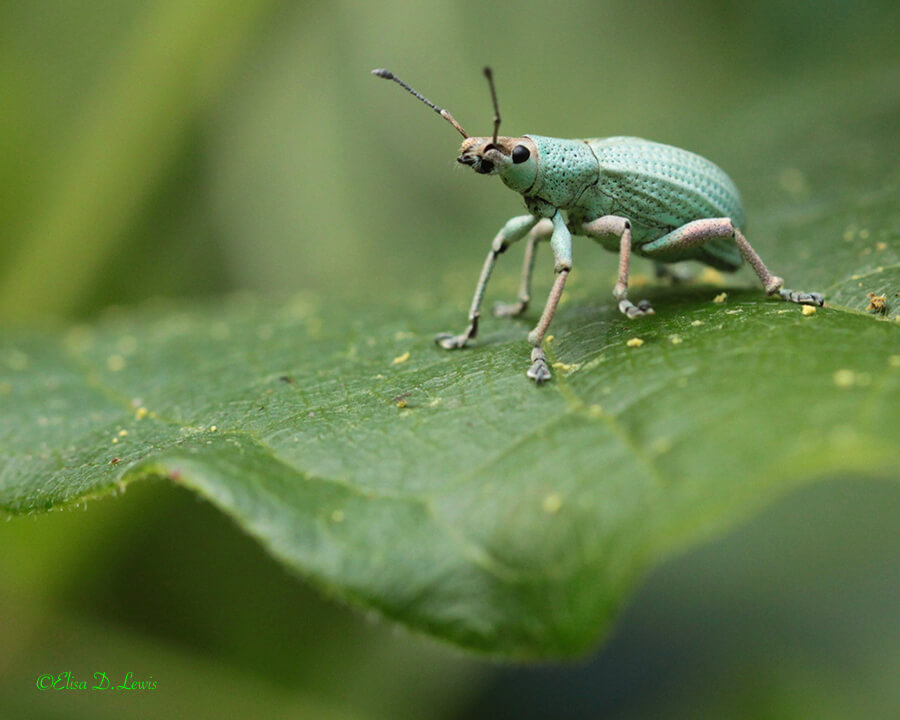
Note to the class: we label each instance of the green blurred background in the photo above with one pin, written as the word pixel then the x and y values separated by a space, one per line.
pixel 189 148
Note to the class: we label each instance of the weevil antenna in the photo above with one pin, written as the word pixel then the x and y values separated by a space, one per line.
pixel 388 75
pixel 488 73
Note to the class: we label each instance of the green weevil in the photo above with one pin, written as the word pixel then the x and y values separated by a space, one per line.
pixel 628 194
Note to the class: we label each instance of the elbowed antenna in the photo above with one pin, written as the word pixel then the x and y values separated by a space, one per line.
pixel 488 73
pixel 388 75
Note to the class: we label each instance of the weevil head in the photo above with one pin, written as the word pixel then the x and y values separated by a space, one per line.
pixel 514 159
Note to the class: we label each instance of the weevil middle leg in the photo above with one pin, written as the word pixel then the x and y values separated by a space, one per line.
pixel 620 227
pixel 514 230
pixel 702 231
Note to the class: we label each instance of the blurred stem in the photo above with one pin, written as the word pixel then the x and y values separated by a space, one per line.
pixel 130 128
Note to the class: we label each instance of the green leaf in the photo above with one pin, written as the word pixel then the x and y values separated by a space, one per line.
pixel 445 490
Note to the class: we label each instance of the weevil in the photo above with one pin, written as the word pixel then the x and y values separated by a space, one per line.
pixel 628 194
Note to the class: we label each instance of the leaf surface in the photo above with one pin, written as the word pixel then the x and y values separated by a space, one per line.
pixel 444 489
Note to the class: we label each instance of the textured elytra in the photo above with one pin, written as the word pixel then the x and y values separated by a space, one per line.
pixel 659 188
pixel 681 178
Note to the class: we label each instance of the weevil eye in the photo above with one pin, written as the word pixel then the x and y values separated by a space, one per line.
pixel 520 154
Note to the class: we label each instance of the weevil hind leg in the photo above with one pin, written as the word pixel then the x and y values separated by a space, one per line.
pixel 538 233
pixel 620 227
pixel 699 232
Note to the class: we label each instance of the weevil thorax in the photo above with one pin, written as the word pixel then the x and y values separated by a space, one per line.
pixel 514 159
pixel 565 168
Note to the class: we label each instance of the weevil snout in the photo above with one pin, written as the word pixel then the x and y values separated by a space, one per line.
pixel 511 158
pixel 487 157
pixel 482 155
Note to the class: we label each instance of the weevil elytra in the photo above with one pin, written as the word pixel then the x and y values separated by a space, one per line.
pixel 628 194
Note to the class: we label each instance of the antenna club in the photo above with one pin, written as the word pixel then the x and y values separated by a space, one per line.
pixel 388 75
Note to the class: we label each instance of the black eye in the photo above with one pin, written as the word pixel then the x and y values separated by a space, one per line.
pixel 520 154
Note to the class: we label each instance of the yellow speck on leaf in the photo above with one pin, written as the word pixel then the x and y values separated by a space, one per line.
pixel 141 413
pixel 115 363
pixel 639 281
pixel 401 358
pixel 549 339
pixel 710 276
pixel 808 309
pixel 844 378
pixel 213 428
pixel 551 504
pixel 720 298
pixel 401 403
pixel 881 246
pixel 123 433
pixel 566 367
pixel 877 303
pixel 675 339
pixel 696 323
pixel 635 342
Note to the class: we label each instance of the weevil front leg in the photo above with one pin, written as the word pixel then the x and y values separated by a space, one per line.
pixel 514 230
pixel 538 233
pixel 561 242
pixel 620 227
pixel 699 232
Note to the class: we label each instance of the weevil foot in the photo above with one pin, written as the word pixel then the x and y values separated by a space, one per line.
pixel 539 370
pixel 449 341
pixel 801 297
pixel 510 310
pixel 631 311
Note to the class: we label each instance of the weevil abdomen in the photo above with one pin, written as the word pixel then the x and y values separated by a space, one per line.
pixel 659 188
